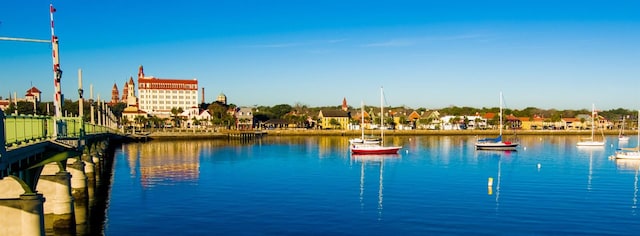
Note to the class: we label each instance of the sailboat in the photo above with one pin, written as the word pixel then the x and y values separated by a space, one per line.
pixel 621 136
pixel 496 143
pixel 630 153
pixel 591 141
pixel 363 139
pixel 376 148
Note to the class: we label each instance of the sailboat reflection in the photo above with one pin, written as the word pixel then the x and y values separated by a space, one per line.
pixel 631 164
pixel 502 156
pixel 590 150
pixel 373 159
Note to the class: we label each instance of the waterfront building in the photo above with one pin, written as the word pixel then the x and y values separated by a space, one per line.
pixel 158 96
pixel 244 118
pixel 334 119
pixel 132 110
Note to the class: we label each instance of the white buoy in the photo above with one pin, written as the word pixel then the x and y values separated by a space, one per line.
pixel 490 182
pixel 525 148
pixel 539 165
pixel 407 151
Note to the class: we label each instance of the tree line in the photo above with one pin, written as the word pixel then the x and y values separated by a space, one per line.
pixel 300 113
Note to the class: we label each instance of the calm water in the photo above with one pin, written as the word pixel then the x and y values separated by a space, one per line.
pixel 313 186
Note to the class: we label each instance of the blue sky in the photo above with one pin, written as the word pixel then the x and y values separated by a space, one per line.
pixel 432 54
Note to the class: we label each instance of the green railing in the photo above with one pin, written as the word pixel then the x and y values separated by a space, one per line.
pixel 20 129
pixel 23 129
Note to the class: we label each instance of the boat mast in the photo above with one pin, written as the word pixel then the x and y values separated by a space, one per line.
pixel 362 119
pixel 381 116
pixel 501 114
pixel 593 119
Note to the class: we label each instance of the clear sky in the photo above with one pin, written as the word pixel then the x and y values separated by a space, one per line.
pixel 432 54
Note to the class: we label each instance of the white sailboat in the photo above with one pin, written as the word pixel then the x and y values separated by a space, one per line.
pixel 496 143
pixel 630 153
pixel 591 141
pixel 363 139
pixel 621 136
pixel 376 148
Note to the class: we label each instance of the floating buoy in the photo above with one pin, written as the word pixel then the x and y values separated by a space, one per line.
pixel 539 165
pixel 407 151
pixel 525 148
pixel 490 182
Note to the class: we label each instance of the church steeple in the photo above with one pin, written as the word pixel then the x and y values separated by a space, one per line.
pixel 140 72
pixel 115 94
pixel 344 104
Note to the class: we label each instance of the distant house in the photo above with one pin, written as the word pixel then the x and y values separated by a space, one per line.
pixel 340 119
pixel 430 120
pixel 275 124
pixel 4 104
pixel 532 123
pixel 358 117
pixel 33 95
pixel 244 118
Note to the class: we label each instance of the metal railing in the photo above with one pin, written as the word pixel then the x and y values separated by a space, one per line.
pixel 21 129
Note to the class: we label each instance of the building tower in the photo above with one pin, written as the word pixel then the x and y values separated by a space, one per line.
pixel 125 91
pixel 132 100
pixel 222 99
pixel 344 104
pixel 140 72
pixel 115 94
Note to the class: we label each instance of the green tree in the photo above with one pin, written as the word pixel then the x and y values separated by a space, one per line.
pixel 280 110
pixel 333 122
pixel 174 113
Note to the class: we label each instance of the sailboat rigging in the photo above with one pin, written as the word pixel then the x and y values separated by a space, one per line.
pixel 496 143
pixel 630 153
pixel 591 141
pixel 621 136
pixel 376 148
pixel 363 139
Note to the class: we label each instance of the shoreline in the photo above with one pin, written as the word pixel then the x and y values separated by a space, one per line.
pixel 437 132
pixel 188 134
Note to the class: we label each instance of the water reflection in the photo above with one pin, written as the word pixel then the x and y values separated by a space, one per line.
pixel 630 164
pixel 590 150
pixel 373 160
pixel 162 163
pixel 501 155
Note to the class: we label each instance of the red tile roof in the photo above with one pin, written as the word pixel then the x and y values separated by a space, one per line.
pixel 34 90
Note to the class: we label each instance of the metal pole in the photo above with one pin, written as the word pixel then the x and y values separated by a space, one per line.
pixel 57 72
pixel 80 99
pixel 92 118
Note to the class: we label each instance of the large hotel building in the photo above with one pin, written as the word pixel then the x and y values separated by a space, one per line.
pixel 158 96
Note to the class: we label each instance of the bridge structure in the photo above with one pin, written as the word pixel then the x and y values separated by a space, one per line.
pixel 49 170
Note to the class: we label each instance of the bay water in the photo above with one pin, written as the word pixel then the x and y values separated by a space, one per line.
pixel 436 185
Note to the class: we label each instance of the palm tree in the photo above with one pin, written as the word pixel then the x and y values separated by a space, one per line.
pixel 174 112
pixel 140 121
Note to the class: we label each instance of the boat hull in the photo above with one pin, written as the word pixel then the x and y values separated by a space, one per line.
pixel 627 155
pixel 590 144
pixel 500 146
pixel 370 149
